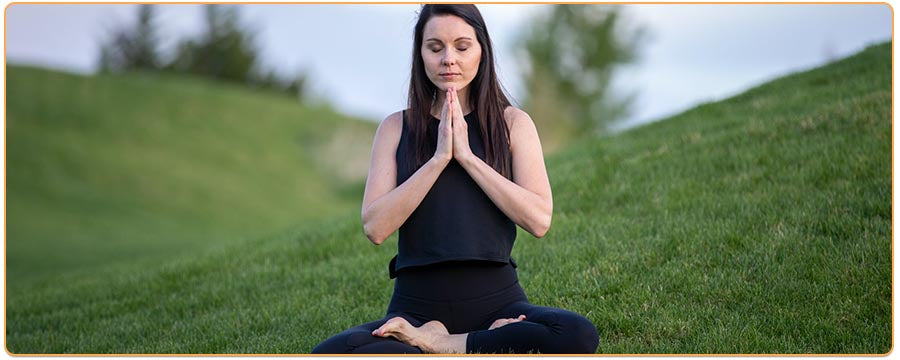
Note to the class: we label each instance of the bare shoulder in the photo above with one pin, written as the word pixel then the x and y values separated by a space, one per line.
pixel 390 128
pixel 393 122
pixel 521 126
pixel 517 120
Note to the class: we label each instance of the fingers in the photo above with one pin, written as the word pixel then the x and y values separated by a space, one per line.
pixel 451 95
pixel 453 103
pixel 457 109
pixel 449 105
pixel 448 117
pixel 460 128
pixel 445 110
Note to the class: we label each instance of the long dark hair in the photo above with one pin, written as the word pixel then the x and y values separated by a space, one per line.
pixel 485 95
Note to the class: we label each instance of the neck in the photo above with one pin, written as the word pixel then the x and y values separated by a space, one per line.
pixel 462 94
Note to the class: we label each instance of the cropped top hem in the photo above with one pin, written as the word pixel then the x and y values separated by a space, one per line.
pixel 393 269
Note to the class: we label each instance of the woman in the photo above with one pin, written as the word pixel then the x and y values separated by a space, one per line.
pixel 455 173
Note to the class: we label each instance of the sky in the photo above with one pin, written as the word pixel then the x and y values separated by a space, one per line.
pixel 358 56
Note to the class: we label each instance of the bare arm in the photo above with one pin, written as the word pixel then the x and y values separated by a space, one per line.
pixel 527 200
pixel 386 206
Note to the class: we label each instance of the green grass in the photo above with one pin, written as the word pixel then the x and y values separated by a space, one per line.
pixel 115 169
pixel 759 224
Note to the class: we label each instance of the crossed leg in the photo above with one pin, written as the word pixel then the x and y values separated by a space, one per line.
pixel 359 340
pixel 545 329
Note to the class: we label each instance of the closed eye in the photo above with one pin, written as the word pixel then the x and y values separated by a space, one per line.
pixel 436 51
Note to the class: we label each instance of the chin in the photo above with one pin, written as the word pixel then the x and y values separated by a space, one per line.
pixel 444 85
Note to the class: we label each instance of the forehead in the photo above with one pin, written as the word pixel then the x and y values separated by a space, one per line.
pixel 447 28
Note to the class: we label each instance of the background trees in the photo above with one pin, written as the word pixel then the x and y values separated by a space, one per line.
pixel 224 51
pixel 133 48
pixel 573 52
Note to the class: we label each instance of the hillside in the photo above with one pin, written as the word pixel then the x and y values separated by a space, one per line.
pixel 758 224
pixel 116 169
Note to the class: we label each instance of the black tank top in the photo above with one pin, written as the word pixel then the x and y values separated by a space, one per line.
pixel 456 219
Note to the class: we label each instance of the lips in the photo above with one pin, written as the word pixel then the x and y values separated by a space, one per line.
pixel 449 75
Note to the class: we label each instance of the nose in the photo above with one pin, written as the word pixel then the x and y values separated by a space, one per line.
pixel 448 59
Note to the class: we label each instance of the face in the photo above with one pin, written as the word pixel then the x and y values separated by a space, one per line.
pixel 449 46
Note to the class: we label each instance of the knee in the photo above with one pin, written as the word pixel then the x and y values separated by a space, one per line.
pixel 580 334
pixel 338 344
pixel 326 347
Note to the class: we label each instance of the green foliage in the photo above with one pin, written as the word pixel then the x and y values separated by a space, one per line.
pixel 133 48
pixel 270 80
pixel 225 50
pixel 759 224
pixel 573 53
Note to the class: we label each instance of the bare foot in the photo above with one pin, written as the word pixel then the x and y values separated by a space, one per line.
pixel 434 333
pixel 426 337
pixel 441 341
pixel 503 322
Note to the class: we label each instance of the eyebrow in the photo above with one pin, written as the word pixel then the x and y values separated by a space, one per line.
pixel 457 39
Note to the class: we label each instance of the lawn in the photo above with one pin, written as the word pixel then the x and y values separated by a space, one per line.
pixel 758 224
pixel 139 167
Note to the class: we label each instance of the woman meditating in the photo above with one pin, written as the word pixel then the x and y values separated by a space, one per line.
pixel 455 173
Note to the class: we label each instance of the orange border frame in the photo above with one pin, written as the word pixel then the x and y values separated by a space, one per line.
pixel 5 93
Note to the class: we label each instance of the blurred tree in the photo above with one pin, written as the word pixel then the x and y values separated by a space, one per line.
pixel 132 48
pixel 269 79
pixel 225 51
pixel 573 53
pixel 298 85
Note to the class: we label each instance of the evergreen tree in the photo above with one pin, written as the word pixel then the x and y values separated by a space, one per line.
pixel 134 48
pixel 224 51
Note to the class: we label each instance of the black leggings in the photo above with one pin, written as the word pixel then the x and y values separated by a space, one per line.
pixel 467 297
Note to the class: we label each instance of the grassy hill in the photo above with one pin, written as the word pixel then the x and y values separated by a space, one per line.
pixel 113 169
pixel 758 224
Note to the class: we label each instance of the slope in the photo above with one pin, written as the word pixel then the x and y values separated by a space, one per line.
pixel 758 224
pixel 116 169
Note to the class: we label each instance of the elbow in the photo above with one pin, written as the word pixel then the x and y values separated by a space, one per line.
pixel 375 239
pixel 373 236
pixel 541 227
pixel 541 230
pixel 542 223
pixel 370 231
